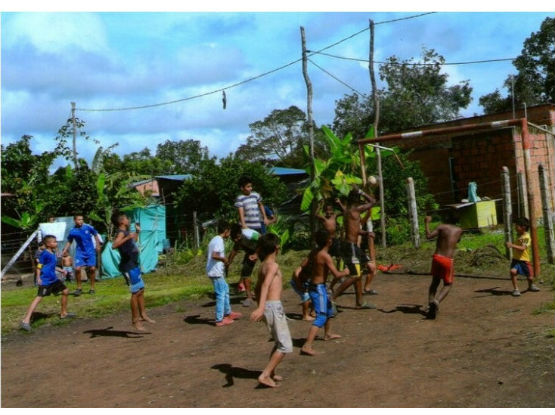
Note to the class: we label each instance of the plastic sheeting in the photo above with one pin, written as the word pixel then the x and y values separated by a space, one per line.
pixel 152 220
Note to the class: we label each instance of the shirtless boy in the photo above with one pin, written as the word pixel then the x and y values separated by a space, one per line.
pixel 322 264
pixel 442 263
pixel 329 223
pixel 352 254
pixel 268 294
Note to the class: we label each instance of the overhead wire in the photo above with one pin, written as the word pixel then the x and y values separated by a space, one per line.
pixel 244 81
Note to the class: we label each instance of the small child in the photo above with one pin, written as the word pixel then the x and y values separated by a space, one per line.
pixel 67 265
pixel 322 265
pixel 521 257
pixel 300 283
pixel 125 243
pixel 47 282
pixel 215 269
pixel 268 295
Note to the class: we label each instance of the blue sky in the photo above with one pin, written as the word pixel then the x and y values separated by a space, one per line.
pixel 104 60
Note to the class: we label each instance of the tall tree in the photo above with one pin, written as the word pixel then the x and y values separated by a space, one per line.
pixel 535 81
pixel 417 93
pixel 183 156
pixel 278 138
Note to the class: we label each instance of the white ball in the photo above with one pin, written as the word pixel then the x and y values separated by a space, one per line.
pixel 372 181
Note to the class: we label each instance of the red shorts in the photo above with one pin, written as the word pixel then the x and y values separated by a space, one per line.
pixel 442 267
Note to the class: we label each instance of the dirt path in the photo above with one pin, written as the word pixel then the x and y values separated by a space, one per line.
pixel 486 349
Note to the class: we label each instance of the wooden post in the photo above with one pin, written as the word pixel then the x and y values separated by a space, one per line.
pixel 547 219
pixel 522 195
pixel 74 135
pixel 376 102
pixel 18 253
pixel 313 206
pixel 195 230
pixel 507 210
pixel 413 213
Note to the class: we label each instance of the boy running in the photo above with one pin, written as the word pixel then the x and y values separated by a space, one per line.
pixel 442 262
pixel 268 295
pixel 47 282
pixel 85 251
pixel 322 264
pixel 125 243
pixel 215 269
pixel 521 257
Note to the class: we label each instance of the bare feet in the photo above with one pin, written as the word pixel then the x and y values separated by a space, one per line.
pixel 308 318
pixel 267 381
pixel 331 336
pixel 138 326
pixel 309 351
pixel 147 319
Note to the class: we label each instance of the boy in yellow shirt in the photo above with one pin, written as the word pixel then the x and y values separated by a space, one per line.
pixel 521 257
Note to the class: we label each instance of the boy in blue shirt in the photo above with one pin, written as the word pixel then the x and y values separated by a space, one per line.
pixel 85 251
pixel 47 281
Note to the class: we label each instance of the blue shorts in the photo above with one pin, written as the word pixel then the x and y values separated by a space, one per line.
pixel 134 280
pixel 85 259
pixel 303 294
pixel 522 267
pixel 321 303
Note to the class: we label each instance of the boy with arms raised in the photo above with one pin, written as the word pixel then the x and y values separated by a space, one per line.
pixel 47 281
pixel 355 259
pixel 442 262
pixel 322 264
pixel 268 294
pixel 125 243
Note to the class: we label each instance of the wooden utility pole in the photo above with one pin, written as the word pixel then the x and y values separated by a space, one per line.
pixel 74 135
pixel 507 210
pixel 413 213
pixel 310 125
pixel 547 219
pixel 376 123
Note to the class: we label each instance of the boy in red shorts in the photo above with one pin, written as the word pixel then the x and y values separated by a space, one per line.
pixel 442 262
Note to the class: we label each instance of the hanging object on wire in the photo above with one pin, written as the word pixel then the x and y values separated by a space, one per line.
pixel 224 99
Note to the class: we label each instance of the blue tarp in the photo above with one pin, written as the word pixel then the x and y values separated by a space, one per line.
pixel 152 220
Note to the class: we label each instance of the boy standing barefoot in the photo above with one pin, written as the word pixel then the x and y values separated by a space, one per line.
pixel 268 294
pixel 125 243
pixel 322 265
pixel 521 257
pixel 47 282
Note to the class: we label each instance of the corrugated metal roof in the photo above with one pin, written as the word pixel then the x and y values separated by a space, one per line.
pixel 176 177
pixel 285 171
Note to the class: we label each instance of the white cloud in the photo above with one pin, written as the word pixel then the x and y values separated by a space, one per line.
pixel 56 32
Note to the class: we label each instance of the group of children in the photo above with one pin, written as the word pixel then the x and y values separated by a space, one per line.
pixel 309 280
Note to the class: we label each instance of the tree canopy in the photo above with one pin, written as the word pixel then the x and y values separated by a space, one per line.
pixel 534 82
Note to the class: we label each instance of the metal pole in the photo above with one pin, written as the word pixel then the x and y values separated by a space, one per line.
pixel 513 94
pixel 507 210
pixel 547 219
pixel 413 213
pixel 18 253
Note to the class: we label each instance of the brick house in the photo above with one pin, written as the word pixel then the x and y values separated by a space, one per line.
pixel 451 160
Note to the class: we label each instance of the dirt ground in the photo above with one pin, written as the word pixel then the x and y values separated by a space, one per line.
pixel 486 349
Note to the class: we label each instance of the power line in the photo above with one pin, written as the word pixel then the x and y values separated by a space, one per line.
pixel 246 80
pixel 336 78
pixel 414 64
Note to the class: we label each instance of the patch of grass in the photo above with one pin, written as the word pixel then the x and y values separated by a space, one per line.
pixel 550 333
pixel 545 308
